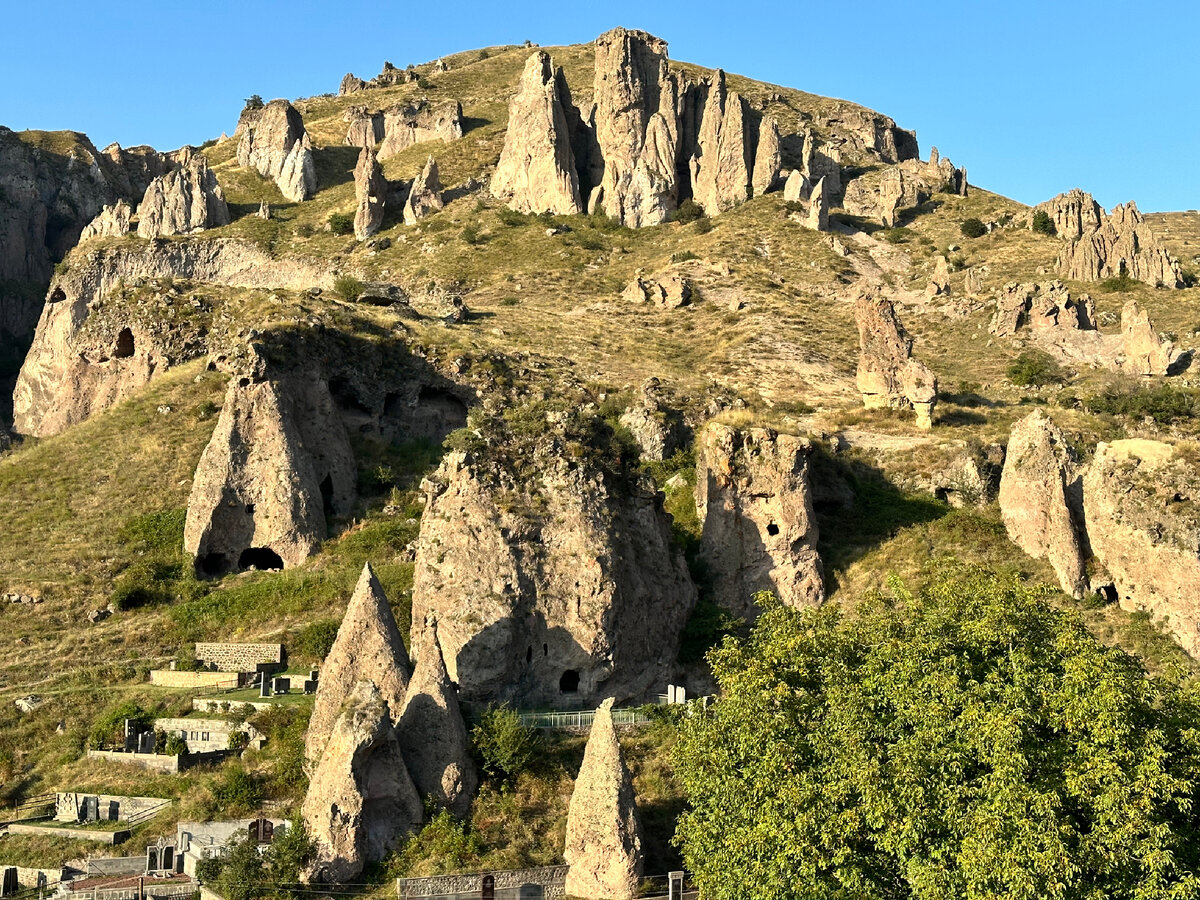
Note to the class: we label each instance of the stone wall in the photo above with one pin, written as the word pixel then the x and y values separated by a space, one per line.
pixel 515 884
pixel 205 735
pixel 239 657
pixel 31 878
pixel 78 834
pixel 159 762
pixel 111 866
pixel 68 806
pixel 172 679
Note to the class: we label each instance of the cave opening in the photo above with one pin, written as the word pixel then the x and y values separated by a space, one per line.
pixel 124 345
pixel 211 565
pixel 569 682
pixel 327 497
pixel 772 529
pixel 261 558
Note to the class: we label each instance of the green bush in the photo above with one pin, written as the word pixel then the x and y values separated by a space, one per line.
pixel 238 741
pixel 443 846
pixel 471 234
pixel 587 241
pixel 348 287
pixel 341 223
pixel 897 235
pixel 174 745
pixel 683 256
pixel 108 729
pixel 1043 224
pixel 973 228
pixel 237 791
pixel 1163 402
pixel 1118 284
pixel 511 217
pixel 1033 368
pixel 305 230
pixel 504 746
pixel 312 642
pixel 689 211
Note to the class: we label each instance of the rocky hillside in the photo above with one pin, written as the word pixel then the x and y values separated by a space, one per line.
pixel 582 349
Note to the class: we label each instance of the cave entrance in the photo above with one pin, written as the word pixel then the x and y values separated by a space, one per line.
pixel 124 345
pixel 772 529
pixel 327 497
pixel 210 565
pixel 569 682
pixel 261 558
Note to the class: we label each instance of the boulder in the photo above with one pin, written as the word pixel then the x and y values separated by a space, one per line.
pixel 370 192
pixel 887 373
pixel 939 281
pixel 1122 243
pixel 973 282
pixel 1145 352
pixel 1041 500
pixel 603 848
pixel 768 158
pixel 360 801
pixel 368 646
pixel 432 733
pixel 1140 498
pixel 818 207
pixel 796 189
pixel 277 466
pixel 275 143
pixel 760 531
pixel 183 201
pixel 425 196
pixel 112 221
pixel 548 591
pixel 536 172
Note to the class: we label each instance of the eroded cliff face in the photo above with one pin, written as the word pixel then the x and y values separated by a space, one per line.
pixel 760 531
pixel 71 373
pixel 554 588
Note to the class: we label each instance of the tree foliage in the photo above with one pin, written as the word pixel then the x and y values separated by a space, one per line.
pixel 965 741
pixel 502 743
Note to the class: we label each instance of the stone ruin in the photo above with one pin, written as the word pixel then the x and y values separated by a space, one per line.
pixel 887 373
pixel 395 129
pixel 604 840
pixel 759 529
pixel 1107 245
pixel 274 142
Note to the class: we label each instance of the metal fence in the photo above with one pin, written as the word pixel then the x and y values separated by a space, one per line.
pixel 580 718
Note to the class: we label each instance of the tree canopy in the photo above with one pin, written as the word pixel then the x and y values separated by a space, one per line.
pixel 966 740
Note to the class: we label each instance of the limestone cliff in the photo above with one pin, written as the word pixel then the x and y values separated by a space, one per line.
pixel 275 143
pixel 760 532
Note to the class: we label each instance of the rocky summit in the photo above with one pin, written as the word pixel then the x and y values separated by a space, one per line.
pixel 576 471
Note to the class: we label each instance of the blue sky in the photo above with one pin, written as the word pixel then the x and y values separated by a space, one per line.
pixel 1033 97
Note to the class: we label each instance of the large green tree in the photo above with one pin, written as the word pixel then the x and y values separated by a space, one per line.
pixel 967 740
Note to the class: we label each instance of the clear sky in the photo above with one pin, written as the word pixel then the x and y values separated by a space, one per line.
pixel 1032 96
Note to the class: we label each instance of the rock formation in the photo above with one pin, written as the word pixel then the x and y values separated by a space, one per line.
pixel 796 189
pixel 1139 497
pixel 760 532
pixel 768 159
pixel 351 84
pixel 1074 214
pixel 1145 352
pixel 973 281
pixel 425 195
pixel 73 369
pixel 112 221
pixel 368 646
pixel 887 373
pixel 905 185
pixel 604 841
pixel 370 192
pixel 1041 500
pixel 1121 244
pixel 183 201
pixel 365 128
pixel 407 124
pixel 721 164
pixel 549 591
pixel 657 428
pixel 274 142
pixel 1047 306
pixel 669 290
pixel 818 207
pixel 536 172
pixel 361 801
pixel 277 467
pixel 939 281
pixel 431 731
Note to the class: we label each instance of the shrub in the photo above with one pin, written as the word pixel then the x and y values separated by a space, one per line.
pixel 254 101
pixel 897 235
pixel 683 256
pixel 236 790
pixel 313 641
pixel 1043 224
pixel 973 228
pixel 689 211
pixel 589 242
pixel 505 747
pixel 305 230
pixel 348 287
pixel 1118 284
pixel 704 225
pixel 341 223
pixel 174 745
pixel 109 727
pixel 471 234
pixel 511 217
pixel 1163 403
pixel 1033 368
pixel 238 741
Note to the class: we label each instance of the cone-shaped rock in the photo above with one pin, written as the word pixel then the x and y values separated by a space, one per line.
pixel 887 373
pixel 818 207
pixel 432 733
pixel 425 196
pixel 721 169
pixel 1145 352
pixel 536 172
pixel 111 221
pixel 768 158
pixel 361 800
pixel 367 645
pixel 1041 501
pixel 604 843
pixel 275 143
pixel 370 190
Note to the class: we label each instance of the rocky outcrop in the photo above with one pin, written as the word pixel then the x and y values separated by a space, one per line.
pixel 431 731
pixel 370 192
pixel 351 84
pixel 275 143
pixel 657 428
pixel 277 467
pixel 669 290
pixel 69 373
pixel 184 200
pixel 760 532
pixel 368 646
pixel 884 195
pixel 818 207
pixel 361 801
pixel 721 165
pixel 1140 499
pixel 1122 244
pixel 408 124
pixel 604 841
pixel 365 128
pixel 1041 500
pixel 887 373
pixel 1074 214
pixel 1047 306
pixel 939 281
pixel 552 591
pixel 112 221
pixel 796 188
pixel 536 172
pixel 870 134
pixel 425 195
pixel 1145 352
pixel 768 159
